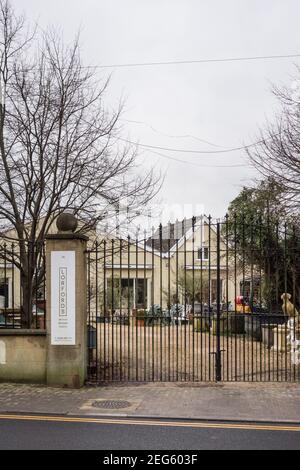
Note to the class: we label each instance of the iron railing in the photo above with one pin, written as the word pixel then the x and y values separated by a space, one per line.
pixel 22 285
pixel 196 302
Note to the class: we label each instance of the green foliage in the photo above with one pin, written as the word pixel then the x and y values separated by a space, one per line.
pixel 262 238
pixel 254 220
pixel 191 287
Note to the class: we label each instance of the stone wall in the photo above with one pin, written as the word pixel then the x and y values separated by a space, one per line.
pixel 23 356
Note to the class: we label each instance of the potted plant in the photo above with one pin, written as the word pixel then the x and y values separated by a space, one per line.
pixel 153 314
pixel 140 317
pixel 267 333
pixel 223 324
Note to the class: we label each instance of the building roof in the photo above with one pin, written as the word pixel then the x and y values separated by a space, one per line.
pixel 172 233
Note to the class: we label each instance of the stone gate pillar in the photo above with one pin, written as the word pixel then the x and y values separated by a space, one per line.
pixel 66 320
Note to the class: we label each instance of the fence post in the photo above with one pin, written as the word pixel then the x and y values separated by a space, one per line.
pixel 218 332
pixel 66 305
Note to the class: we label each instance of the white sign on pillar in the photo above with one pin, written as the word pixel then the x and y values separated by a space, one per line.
pixel 63 298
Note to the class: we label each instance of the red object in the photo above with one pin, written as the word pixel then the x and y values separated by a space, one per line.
pixel 239 300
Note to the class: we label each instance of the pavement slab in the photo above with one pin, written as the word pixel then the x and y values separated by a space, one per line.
pixel 266 402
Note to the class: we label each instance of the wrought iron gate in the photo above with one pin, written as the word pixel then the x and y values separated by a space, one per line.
pixel 196 301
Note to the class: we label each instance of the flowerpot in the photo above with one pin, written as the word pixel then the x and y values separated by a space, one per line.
pixel 223 325
pixel 139 321
pixel 253 327
pixel 267 333
pixel 201 323
pixel 92 337
pixel 280 334
pixel 236 323
pixel 41 322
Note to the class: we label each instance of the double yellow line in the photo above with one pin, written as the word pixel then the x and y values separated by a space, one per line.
pixel 154 422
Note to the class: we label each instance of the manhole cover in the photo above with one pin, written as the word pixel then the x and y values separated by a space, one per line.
pixel 111 404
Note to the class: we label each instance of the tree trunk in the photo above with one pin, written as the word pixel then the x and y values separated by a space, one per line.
pixel 26 301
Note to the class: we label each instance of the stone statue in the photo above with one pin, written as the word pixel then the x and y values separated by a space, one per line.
pixel 288 307
pixel 292 327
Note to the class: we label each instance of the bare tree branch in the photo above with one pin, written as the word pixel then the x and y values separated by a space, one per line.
pixel 59 145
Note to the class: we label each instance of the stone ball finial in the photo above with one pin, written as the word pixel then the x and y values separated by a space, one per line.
pixel 66 222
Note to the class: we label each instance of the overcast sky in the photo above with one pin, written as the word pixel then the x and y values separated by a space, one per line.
pixel 223 103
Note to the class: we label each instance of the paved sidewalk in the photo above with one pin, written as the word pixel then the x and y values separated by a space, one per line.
pixel 269 402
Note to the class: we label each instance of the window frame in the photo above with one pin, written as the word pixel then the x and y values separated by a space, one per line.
pixel 202 249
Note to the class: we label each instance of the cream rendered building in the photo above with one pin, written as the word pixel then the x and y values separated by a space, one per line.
pixel 182 261
pixel 128 274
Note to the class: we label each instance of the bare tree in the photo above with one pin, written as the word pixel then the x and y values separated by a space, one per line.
pixel 277 153
pixel 60 149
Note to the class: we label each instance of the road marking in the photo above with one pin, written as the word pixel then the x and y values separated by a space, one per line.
pixel 156 422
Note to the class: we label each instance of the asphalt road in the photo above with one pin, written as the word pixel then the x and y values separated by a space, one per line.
pixel 49 432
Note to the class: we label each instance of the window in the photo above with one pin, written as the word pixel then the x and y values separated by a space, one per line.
pixel 3 293
pixel 125 292
pixel 141 293
pixel 203 253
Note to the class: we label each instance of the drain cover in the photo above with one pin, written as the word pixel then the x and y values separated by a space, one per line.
pixel 111 404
